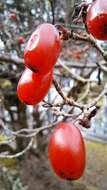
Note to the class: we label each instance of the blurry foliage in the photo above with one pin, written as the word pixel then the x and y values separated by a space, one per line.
pixel 8 163
pixel 11 180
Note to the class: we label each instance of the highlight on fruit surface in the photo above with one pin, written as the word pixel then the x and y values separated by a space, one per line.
pixel 43 48
pixel 96 19
pixel 67 151
pixel 33 87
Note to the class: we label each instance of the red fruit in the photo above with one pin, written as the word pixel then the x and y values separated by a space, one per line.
pixel 43 48
pixel 13 16
pixel 21 40
pixel 97 19
pixel 33 87
pixel 67 151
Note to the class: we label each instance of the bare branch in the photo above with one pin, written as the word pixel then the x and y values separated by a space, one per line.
pixel 19 153
pixel 101 95
pixel 68 101
pixel 78 78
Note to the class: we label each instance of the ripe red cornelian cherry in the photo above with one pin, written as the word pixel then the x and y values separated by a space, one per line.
pixel 21 40
pixel 67 151
pixel 13 16
pixel 97 19
pixel 43 48
pixel 33 87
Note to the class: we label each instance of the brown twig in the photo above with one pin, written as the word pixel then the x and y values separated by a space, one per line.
pixel 101 95
pixel 74 76
pixel 91 40
pixel 68 101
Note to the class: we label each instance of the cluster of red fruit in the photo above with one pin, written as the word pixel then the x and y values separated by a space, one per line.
pixel 66 147
pixel 96 19
pixel 40 56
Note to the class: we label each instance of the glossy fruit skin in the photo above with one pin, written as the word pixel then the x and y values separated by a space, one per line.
pixel 67 151
pixel 96 19
pixel 33 87
pixel 43 48
pixel 21 40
